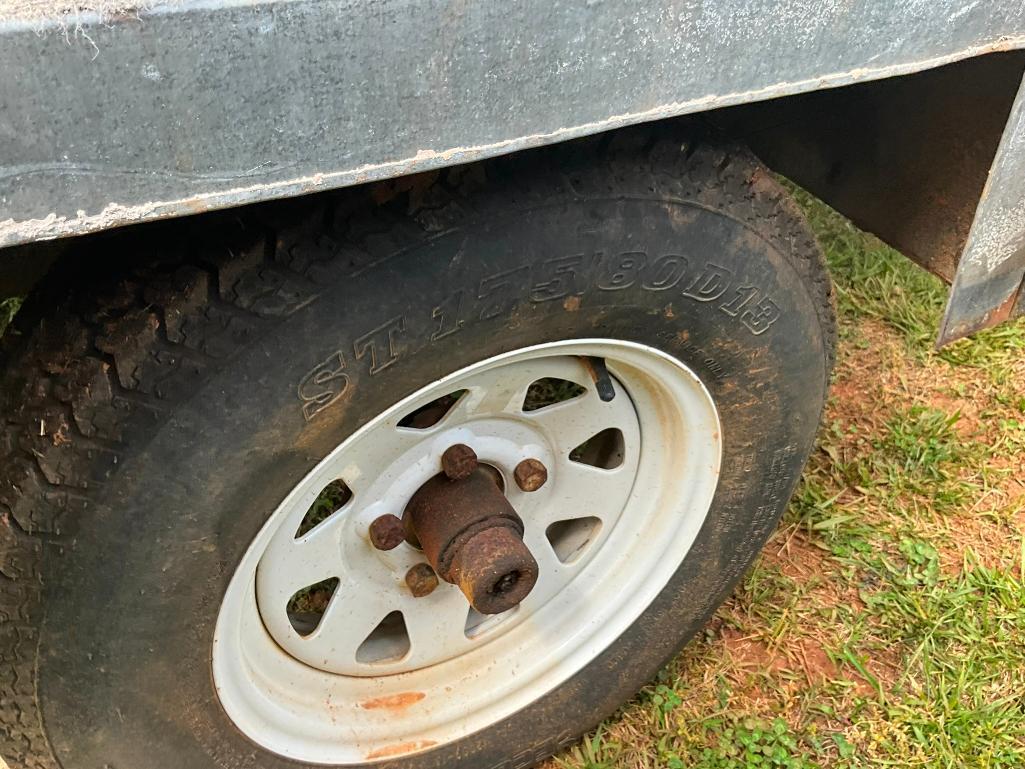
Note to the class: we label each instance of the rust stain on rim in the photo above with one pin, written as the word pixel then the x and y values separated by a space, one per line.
pixel 401 749
pixel 393 702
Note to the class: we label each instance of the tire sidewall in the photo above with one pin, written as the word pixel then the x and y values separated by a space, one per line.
pixel 133 601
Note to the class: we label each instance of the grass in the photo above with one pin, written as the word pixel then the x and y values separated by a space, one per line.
pixel 884 624
pixel 8 309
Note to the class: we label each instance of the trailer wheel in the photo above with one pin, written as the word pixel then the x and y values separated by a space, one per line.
pixel 432 473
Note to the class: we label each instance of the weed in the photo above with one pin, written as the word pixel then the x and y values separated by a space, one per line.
pixel 920 441
pixel 751 743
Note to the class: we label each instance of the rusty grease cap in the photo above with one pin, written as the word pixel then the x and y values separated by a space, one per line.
pixel 473 538
pixel 495 570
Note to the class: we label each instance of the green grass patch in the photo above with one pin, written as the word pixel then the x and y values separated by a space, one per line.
pixel 920 442
pixel 961 699
pixel 920 453
pixel 746 743
pixel 8 309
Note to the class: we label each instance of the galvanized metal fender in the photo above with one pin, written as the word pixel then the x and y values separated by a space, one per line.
pixel 194 105
pixel 989 286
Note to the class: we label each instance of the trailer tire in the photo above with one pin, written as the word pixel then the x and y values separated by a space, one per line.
pixel 164 391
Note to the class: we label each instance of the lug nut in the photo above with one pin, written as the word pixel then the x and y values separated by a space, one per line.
pixel 421 580
pixel 458 462
pixel 530 475
pixel 387 532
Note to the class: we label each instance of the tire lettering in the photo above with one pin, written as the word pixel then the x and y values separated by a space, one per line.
pixel 558 278
pixel 710 284
pixel 498 292
pixel 380 344
pixel 447 316
pixel 622 271
pixel 742 296
pixel 323 385
pixel 665 272
pixel 765 313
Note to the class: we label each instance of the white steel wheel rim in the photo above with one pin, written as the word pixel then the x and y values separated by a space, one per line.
pixel 307 698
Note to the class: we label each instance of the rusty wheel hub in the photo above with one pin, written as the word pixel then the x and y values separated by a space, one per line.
pixel 471 535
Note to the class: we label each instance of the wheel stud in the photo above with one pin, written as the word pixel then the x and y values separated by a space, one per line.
pixel 387 532
pixel 530 475
pixel 458 462
pixel 421 580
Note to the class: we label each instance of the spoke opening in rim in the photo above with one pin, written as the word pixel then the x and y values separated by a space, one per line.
pixel 477 624
pixel 548 391
pixel 387 642
pixel 570 538
pixel 605 450
pixel 329 501
pixel 430 414
pixel 307 606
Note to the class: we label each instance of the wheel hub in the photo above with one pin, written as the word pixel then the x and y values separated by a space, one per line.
pixel 471 535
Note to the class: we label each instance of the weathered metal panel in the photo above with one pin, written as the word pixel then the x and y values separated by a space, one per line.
pixel 905 158
pixel 202 105
pixel 989 286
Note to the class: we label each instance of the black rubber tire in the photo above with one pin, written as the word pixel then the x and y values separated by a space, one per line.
pixel 168 388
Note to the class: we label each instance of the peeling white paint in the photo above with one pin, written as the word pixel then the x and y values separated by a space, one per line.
pixel 999 237
pixel 116 214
